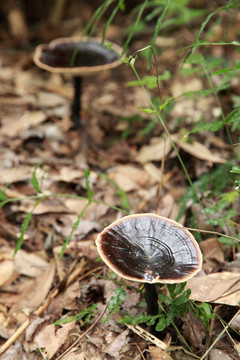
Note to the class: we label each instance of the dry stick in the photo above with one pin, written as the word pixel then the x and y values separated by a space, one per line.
pixel 231 339
pixel 208 232
pixel 41 308
pixel 220 335
pixel 84 334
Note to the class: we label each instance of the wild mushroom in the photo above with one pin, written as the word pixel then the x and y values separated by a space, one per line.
pixel 151 249
pixel 79 58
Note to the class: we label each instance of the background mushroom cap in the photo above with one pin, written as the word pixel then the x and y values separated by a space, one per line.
pixel 149 248
pixel 91 56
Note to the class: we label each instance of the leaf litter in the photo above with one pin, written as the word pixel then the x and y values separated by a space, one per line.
pixel 37 287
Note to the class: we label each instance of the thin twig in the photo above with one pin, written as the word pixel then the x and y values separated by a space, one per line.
pixel 220 335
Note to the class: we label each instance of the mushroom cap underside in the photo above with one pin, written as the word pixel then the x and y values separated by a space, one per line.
pixel 70 55
pixel 150 248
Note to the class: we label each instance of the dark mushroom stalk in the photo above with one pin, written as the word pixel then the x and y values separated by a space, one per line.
pixel 78 58
pixel 151 249
pixel 76 104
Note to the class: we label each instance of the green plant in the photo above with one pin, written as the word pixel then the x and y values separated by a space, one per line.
pixel 41 196
pixel 83 316
pixel 173 305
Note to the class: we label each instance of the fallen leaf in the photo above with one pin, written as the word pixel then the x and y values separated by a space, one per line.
pixel 6 271
pixel 15 174
pixel 217 354
pixel 29 119
pixel 46 206
pixel 158 354
pixel 118 343
pixel 67 174
pixel 199 151
pixel 212 250
pixel 29 264
pixel 129 177
pixel 35 292
pixel 50 339
pixel 220 288
pixel 15 352
pixel 158 148
pixel 47 99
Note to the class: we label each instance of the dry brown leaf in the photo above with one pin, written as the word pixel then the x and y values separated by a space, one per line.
pixel 155 151
pixel 29 119
pixel 129 177
pixel 158 354
pixel 15 352
pixel 199 151
pixel 49 340
pixel 84 227
pixel 66 300
pixel 35 292
pixel 29 264
pixel 212 250
pixel 73 356
pixel 77 205
pixel 6 271
pixel 220 288
pixel 15 174
pixel 46 206
pixel 217 354
pixel 67 174
pixel 47 99
pixel 168 207
pixel 193 330
pixel 114 349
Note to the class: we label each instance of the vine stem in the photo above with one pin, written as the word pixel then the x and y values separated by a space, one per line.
pixel 161 119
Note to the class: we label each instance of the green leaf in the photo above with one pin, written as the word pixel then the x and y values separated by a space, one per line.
pixel 25 225
pixel 171 289
pixel 213 126
pixel 196 59
pixel 233 116
pixel 147 110
pixel 34 180
pixel 117 298
pixel 235 169
pixel 2 195
pixel 202 93
pixel 23 230
pixel 161 107
pixel 89 191
pixel 87 313
pixel 132 320
pixel 184 297
pixel 165 299
pixel 180 287
pixel 169 317
pixel 161 323
pixel 150 81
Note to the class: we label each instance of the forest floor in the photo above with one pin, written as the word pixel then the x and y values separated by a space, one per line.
pixel 133 168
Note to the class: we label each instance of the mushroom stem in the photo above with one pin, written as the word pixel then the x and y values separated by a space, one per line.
pixel 76 104
pixel 151 298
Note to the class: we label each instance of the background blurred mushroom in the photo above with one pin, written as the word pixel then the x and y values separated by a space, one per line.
pixel 79 58
pixel 151 249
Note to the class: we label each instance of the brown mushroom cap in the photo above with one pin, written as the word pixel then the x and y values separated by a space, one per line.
pixel 91 56
pixel 149 248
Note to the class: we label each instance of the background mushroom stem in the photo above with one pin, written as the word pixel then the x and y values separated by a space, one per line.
pixel 151 297
pixel 76 104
